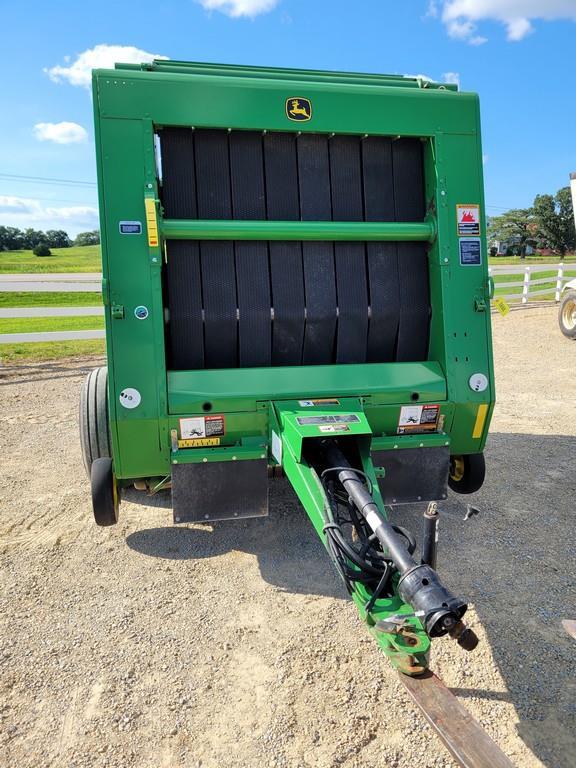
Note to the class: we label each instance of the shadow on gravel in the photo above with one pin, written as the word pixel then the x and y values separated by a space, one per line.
pixel 515 561
pixel 27 373
pixel 290 555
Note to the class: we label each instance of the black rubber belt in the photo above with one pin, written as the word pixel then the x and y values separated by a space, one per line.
pixel 412 259
pixel 185 302
pixel 352 290
pixel 318 257
pixel 179 180
pixel 217 257
pixel 252 270
pixel 183 269
pixel 286 274
pixel 382 258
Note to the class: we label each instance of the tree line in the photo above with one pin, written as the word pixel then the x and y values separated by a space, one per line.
pixel 14 239
pixel 547 225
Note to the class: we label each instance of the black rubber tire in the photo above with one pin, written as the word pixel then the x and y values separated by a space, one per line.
pixel 473 476
pixel 566 315
pixel 105 494
pixel 94 424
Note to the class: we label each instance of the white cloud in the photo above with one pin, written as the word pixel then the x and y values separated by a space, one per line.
pixel 237 8
pixel 425 78
pixel 60 133
pixel 453 78
pixel 23 212
pixel 103 56
pixel 461 17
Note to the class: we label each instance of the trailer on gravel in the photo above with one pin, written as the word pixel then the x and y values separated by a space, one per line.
pixel 295 281
pixel 567 310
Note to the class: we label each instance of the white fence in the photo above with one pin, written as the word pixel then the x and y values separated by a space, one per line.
pixel 90 282
pixel 532 287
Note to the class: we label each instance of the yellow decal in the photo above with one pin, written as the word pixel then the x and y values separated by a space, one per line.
pixel 502 306
pixel 298 109
pixel 480 421
pixel 151 222
pixel 199 442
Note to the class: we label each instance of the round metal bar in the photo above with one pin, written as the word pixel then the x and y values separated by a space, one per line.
pixel 190 229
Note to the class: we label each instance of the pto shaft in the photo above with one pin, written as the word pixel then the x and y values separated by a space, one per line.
pixel 419 585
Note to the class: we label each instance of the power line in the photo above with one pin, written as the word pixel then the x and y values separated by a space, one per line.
pixel 58 199
pixel 46 180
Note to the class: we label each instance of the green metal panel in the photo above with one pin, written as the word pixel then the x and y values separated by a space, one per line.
pixel 390 382
pixel 254 103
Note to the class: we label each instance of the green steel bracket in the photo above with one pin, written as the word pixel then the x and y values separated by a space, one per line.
pixel 479 304
pixel 405 641
pixel 235 453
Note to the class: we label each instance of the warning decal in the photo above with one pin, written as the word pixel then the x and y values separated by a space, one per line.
pixel 415 419
pixel 334 428
pixel 199 442
pixel 468 220
pixel 470 251
pixel 348 418
pixel 323 401
pixel 200 427
pixel 151 222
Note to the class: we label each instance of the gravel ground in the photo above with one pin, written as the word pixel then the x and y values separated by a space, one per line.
pixel 146 645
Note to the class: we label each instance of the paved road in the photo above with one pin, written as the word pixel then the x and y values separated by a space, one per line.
pixel 75 277
pixel 52 282
pixel 51 312
pixel 19 338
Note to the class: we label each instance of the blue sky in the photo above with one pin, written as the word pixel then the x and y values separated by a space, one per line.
pixel 515 53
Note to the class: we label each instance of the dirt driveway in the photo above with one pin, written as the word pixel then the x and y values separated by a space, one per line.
pixel 145 645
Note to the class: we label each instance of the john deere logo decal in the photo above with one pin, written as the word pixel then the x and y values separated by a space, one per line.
pixel 298 109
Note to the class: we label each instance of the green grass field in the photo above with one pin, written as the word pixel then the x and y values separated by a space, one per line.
pixel 49 351
pixel 32 299
pixel 40 324
pixel 82 259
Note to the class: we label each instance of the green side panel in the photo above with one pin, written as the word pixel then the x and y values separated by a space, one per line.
pixel 135 348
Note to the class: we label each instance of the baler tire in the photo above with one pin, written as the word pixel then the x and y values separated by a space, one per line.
pixel 94 424
pixel 467 473
pixel 567 315
pixel 105 495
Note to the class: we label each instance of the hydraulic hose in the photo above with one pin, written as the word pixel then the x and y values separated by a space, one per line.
pixel 419 585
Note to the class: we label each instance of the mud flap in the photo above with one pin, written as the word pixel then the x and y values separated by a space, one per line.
pixel 413 474
pixel 219 490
